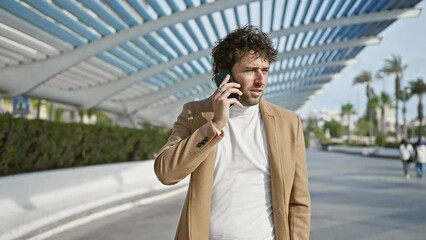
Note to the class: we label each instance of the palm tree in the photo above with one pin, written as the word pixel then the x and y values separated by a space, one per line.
pixel 348 110
pixel 384 101
pixel 404 96
pixel 37 103
pixel 418 87
pixel 365 77
pixel 395 66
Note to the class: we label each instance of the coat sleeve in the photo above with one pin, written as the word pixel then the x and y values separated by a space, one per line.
pixel 185 150
pixel 300 201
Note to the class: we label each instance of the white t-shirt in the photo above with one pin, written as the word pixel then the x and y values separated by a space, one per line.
pixel 406 151
pixel 241 200
pixel 421 153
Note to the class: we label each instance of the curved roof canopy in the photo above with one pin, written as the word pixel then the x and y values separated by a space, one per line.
pixel 144 59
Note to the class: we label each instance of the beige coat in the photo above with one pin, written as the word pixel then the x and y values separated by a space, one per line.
pixel 191 150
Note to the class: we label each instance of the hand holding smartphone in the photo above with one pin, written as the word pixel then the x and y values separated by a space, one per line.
pixel 218 79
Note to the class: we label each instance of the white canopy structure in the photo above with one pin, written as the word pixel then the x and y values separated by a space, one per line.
pixel 140 60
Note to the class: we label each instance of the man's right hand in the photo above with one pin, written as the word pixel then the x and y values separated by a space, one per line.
pixel 221 102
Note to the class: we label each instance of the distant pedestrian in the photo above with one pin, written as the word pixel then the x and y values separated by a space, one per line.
pixel 406 152
pixel 420 157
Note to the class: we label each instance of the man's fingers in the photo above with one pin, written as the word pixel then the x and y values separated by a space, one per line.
pixel 229 85
pixel 225 80
pixel 236 102
pixel 229 91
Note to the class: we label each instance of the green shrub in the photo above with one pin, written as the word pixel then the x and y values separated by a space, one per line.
pixel 35 145
pixel 381 140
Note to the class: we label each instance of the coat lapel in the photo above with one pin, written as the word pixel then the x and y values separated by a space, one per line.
pixel 276 170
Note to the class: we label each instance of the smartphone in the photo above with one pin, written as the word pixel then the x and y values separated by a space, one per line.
pixel 218 79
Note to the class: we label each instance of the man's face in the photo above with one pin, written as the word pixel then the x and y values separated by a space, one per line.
pixel 251 73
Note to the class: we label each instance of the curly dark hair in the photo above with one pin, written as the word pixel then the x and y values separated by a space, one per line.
pixel 226 52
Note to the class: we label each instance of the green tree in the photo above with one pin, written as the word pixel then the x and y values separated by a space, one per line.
pixel 36 103
pixel 365 77
pixel 312 124
pixel 362 127
pixel 383 101
pixel 58 115
pixel 101 118
pixel 348 110
pixel 395 66
pixel 418 87
pixel 404 96
pixel 81 115
pixel 336 129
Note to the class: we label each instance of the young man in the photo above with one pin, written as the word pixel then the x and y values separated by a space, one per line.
pixel 246 157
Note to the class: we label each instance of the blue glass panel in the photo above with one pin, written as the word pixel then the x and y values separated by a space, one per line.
pixel 296 10
pixel 214 26
pixel 169 41
pixel 137 53
pixel 337 9
pixel 109 58
pixel 126 57
pixel 327 10
pixel 104 14
pixel 148 49
pixel 157 8
pixel 41 22
pixel 193 36
pixel 173 6
pixel 118 8
pixel 203 31
pixel 83 16
pixel 158 46
pixel 59 16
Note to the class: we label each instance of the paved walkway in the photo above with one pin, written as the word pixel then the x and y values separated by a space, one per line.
pixel 353 197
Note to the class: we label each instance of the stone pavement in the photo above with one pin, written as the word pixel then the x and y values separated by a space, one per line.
pixel 353 197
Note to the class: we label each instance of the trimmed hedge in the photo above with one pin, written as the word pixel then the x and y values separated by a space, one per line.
pixel 36 145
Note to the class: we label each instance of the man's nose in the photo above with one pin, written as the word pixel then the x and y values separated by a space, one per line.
pixel 260 77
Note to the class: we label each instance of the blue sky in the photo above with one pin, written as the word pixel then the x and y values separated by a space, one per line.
pixel 405 37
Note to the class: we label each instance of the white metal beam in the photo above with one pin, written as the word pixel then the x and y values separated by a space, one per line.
pixel 29 29
pixel 318 65
pixel 151 114
pixel 89 98
pixel 343 21
pixel 340 22
pixel 99 94
pixel 102 92
pixel 365 41
pixel 141 102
